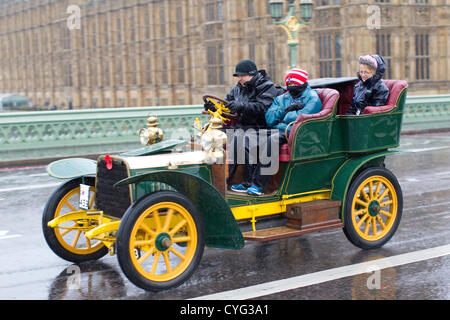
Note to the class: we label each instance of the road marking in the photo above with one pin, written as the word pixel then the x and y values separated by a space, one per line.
pixel 268 288
pixel 3 235
pixel 45 174
pixel 437 204
pixel 31 187
pixel 22 168
pixel 424 149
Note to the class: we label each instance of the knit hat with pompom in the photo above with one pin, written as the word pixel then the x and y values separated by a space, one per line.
pixel 296 76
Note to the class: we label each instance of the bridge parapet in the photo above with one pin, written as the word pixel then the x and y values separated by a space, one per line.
pixel 71 132
pixel 418 107
pixel 50 129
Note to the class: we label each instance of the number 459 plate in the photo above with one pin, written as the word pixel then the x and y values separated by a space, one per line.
pixel 84 197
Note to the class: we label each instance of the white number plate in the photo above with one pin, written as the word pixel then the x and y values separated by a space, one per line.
pixel 84 197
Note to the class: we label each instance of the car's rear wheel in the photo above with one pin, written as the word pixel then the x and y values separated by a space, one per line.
pixel 160 241
pixel 373 208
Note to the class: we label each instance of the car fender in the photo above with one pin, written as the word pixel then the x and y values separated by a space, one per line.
pixel 72 168
pixel 221 228
pixel 344 175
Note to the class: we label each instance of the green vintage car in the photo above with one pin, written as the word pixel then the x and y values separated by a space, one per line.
pixel 159 206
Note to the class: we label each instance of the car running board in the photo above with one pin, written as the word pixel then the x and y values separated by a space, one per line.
pixel 302 218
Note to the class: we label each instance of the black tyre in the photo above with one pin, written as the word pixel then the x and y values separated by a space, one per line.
pixel 160 241
pixel 373 208
pixel 68 240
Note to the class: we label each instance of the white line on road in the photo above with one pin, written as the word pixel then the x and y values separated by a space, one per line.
pixel 424 149
pixel 412 180
pixel 11 236
pixel 10 169
pixel 327 275
pixel 31 187
pixel 3 235
pixel 436 204
pixel 45 174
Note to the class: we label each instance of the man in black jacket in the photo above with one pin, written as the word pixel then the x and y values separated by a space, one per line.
pixel 249 99
pixel 251 96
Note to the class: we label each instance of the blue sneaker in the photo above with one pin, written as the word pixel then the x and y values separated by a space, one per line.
pixel 254 190
pixel 238 188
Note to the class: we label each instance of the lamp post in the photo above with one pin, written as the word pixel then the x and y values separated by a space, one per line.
pixel 291 24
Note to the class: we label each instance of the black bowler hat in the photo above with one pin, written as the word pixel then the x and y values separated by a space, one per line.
pixel 245 68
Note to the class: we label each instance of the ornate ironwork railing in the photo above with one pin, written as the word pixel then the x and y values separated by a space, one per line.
pixel 47 129
pixel 427 112
pixel 33 134
pixel 427 106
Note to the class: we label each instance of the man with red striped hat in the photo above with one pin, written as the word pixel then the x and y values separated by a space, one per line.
pixel 299 99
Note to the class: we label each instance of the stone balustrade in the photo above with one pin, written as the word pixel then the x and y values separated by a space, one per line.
pixel 68 132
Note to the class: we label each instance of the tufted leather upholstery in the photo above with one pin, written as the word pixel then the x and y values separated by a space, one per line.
pixel 285 153
pixel 329 97
pixel 395 87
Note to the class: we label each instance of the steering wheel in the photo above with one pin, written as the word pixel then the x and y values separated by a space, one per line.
pixel 223 112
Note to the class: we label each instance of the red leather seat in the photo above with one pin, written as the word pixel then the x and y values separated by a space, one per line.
pixel 395 88
pixel 285 153
pixel 329 98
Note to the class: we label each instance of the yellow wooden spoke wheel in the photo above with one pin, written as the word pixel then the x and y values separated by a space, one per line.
pixel 160 241
pixel 373 208
pixel 68 239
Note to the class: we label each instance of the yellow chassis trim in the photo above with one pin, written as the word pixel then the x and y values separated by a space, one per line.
pixel 108 225
pixel 104 228
pixel 105 231
pixel 272 208
pixel 75 215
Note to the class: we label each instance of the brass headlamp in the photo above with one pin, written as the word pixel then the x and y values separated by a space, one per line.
pixel 213 141
pixel 152 134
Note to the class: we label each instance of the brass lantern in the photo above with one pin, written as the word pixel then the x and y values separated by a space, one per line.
pixel 213 142
pixel 152 134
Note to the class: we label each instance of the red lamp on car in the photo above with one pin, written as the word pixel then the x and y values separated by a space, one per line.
pixel 109 162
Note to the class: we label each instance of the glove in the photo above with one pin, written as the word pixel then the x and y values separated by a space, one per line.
pixel 235 106
pixel 209 106
pixel 294 107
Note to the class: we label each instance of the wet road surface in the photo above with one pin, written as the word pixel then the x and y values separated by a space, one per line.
pixel 30 270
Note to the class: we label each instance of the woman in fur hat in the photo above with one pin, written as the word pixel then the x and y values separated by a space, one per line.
pixel 370 91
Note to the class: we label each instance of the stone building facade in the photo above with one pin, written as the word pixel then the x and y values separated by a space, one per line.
pixel 170 52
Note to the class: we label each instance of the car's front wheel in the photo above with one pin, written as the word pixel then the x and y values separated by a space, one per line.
pixel 160 241
pixel 68 239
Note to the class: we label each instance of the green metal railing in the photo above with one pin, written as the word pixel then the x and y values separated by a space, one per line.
pixel 427 112
pixel 85 127
pixel 71 132
pixel 428 107
pixel 59 133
